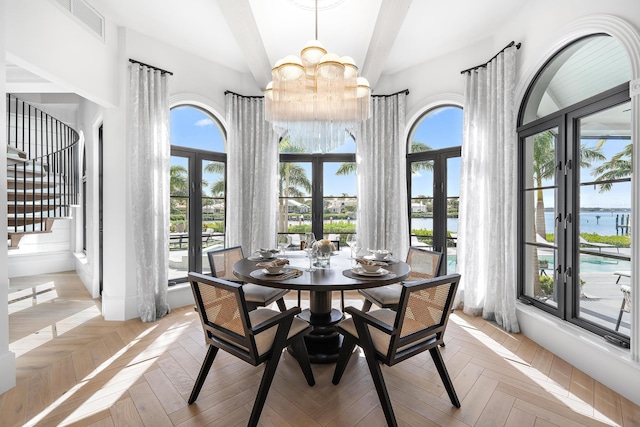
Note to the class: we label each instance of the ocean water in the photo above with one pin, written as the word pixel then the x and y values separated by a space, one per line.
pixel 603 223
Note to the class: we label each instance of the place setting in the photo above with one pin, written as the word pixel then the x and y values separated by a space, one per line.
pixel 275 270
pixel 368 268
pixel 381 255
pixel 264 254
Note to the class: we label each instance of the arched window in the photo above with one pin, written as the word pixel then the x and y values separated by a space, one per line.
pixel 197 190
pixel 433 164
pixel 575 186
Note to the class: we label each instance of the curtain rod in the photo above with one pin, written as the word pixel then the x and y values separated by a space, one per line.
pixel 227 92
pixel 405 91
pixel 150 66
pixel 494 57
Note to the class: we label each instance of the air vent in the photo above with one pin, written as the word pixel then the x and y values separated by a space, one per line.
pixel 86 14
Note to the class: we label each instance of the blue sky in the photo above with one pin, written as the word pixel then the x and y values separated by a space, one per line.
pixel 441 128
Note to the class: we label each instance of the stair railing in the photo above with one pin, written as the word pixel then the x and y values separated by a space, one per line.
pixel 44 184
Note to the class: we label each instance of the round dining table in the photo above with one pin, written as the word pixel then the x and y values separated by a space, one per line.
pixel 323 343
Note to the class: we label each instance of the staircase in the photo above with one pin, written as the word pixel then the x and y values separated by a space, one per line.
pixel 42 170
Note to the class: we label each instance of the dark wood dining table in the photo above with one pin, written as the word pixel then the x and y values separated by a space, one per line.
pixel 323 343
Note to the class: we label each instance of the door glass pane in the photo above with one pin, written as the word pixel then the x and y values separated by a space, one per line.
pixel 453 199
pixel 539 213
pixel 340 203
pixel 603 217
pixel 294 206
pixel 179 215
pixel 422 203
pixel 213 209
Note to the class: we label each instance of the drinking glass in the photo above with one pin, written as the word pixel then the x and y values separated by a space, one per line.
pixel 284 241
pixel 354 244
pixel 310 249
pixel 355 248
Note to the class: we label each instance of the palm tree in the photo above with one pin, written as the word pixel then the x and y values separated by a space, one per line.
pixel 178 181
pixel 348 168
pixel 544 167
pixel 293 179
pixel 619 166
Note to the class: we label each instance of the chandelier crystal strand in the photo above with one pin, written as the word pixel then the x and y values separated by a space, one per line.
pixel 316 97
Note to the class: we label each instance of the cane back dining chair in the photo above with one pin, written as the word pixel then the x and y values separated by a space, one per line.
pixel 256 336
pixel 425 264
pixel 221 262
pixel 389 337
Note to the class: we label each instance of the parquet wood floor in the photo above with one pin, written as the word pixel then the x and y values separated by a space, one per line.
pixel 74 368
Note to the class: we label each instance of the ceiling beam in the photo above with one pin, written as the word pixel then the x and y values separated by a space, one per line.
pixel 242 24
pixel 389 22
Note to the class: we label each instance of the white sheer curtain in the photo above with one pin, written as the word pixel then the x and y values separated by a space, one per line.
pixel 252 169
pixel 488 194
pixel 148 142
pixel 381 157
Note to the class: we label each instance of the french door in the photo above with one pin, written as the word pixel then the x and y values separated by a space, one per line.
pixel 197 210
pixel 317 194
pixel 434 186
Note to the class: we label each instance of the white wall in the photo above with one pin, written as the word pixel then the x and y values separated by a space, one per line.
pixel 90 117
pixel 7 358
pixel 43 39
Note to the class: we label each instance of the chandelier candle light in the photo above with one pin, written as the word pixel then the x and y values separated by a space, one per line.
pixel 317 96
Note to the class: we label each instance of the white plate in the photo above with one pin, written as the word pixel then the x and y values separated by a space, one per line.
pixel 361 272
pixel 259 258
pixel 283 271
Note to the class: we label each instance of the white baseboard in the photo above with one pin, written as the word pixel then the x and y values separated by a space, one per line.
pixel 119 308
pixel 7 371
pixel 180 295
pixel 604 362
pixel 20 265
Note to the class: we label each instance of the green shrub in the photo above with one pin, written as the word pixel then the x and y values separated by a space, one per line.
pixel 546 284
pixel 619 241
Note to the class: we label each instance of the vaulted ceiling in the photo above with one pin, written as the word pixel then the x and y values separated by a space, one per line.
pixel 383 36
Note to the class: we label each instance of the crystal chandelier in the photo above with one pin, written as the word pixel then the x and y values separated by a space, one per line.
pixel 316 97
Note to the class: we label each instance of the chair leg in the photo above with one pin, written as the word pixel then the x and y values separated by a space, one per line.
pixel 204 370
pixel 281 305
pixel 367 305
pixel 444 376
pixel 378 381
pixel 348 344
pixel 300 351
pixel 265 384
pixel 620 315
pixel 299 300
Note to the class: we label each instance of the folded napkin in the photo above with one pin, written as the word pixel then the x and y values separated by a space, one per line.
pixel 280 262
pixel 365 261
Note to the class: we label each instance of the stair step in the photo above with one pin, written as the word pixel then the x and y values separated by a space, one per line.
pixel 39 227
pixel 14 159
pixel 13 150
pixel 27 168
pixel 30 196
pixel 30 209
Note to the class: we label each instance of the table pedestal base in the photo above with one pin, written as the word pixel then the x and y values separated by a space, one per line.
pixel 324 342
